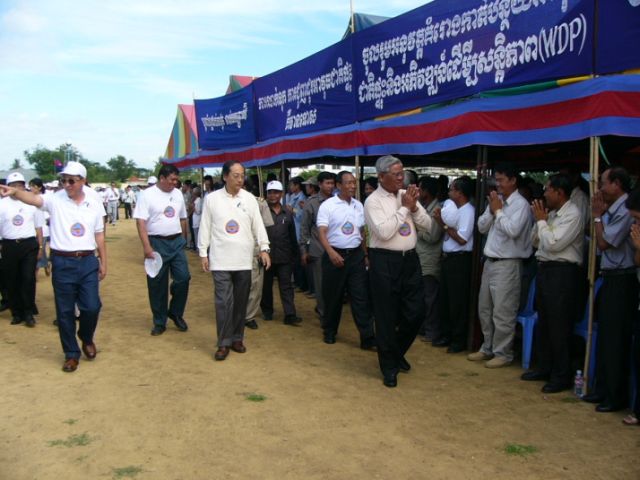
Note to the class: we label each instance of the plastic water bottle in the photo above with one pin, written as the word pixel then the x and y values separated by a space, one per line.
pixel 578 384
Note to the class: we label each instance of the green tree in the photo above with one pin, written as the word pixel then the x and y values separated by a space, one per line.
pixel 16 164
pixel 121 168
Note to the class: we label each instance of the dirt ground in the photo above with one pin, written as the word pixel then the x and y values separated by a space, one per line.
pixel 161 408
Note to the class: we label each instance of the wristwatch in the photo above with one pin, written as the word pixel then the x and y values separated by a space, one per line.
pixel 445 227
pixel 597 220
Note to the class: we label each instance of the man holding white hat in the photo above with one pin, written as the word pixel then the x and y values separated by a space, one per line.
pixel 284 248
pixel 77 230
pixel 21 232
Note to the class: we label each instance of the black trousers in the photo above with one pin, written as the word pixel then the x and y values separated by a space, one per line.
pixel 20 259
pixel 352 277
pixel 283 271
pixel 616 308
pixel 636 362
pixel 455 294
pixel 398 303
pixel 127 210
pixel 557 289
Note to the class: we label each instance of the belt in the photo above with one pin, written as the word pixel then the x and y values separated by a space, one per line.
pixel 613 272
pixel 18 240
pixel 491 259
pixel 400 253
pixel 166 237
pixel 347 251
pixel 454 254
pixel 77 253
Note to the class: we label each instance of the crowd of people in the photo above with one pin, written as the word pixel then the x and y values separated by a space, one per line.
pixel 402 259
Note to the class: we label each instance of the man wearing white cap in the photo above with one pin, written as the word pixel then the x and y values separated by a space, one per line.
pixel 77 230
pixel 284 248
pixel 231 225
pixel 21 232
pixel 151 181
pixel 161 218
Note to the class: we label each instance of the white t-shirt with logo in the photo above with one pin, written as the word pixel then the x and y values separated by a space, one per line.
pixel 72 226
pixel 161 210
pixel 19 220
pixel 343 221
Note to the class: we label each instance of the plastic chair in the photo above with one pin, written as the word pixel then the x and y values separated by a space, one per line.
pixel 528 318
pixel 582 330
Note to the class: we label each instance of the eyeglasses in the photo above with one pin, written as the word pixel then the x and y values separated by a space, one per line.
pixel 70 181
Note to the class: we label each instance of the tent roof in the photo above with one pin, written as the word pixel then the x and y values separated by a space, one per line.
pixel 362 21
pixel 184 134
pixel 595 107
pixel 238 82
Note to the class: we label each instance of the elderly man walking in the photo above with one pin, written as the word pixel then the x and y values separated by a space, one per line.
pixel 231 225
pixel 392 216
pixel 507 223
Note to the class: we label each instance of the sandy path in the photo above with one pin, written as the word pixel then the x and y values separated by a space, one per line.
pixel 161 408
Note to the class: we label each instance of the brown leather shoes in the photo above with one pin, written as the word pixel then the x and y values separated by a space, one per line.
pixel 89 350
pixel 221 353
pixel 70 365
pixel 238 347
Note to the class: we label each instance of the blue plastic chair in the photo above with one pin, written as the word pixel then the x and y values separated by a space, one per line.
pixel 528 318
pixel 581 329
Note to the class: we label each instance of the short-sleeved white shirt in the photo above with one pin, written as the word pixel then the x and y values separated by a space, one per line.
pixel 343 221
pixel 19 220
pixel 463 222
pixel 92 197
pixel 72 226
pixel 161 210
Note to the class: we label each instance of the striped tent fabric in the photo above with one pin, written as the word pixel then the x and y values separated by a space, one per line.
pixel 184 135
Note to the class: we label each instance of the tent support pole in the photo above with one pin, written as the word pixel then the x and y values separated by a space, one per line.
pixel 476 267
pixel 260 185
pixel 358 176
pixel 594 167
pixel 284 177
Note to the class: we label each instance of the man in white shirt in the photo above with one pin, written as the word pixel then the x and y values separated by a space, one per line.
pixel 344 263
pixel 392 215
pixel 113 197
pixel 230 226
pixel 161 218
pixel 77 230
pixel 455 291
pixel 558 235
pixel 21 233
pixel 507 223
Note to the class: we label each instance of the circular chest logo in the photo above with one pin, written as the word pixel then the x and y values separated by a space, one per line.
pixel 348 228
pixel 232 227
pixel 18 220
pixel 169 212
pixel 405 229
pixel 77 230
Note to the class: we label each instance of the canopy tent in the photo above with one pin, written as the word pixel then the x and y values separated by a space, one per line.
pixel 237 82
pixel 184 135
pixel 360 21
pixel 600 106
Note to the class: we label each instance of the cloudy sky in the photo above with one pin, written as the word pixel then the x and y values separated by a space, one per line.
pixel 107 76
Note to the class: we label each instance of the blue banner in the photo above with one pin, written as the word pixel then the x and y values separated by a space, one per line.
pixel 313 94
pixel 618 36
pixel 227 121
pixel 446 50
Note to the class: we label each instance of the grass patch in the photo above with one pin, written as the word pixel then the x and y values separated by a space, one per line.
pixel 70 421
pixel 129 472
pixel 471 374
pixel 10 342
pixel 255 397
pixel 520 450
pixel 570 400
pixel 72 441
pixel 444 374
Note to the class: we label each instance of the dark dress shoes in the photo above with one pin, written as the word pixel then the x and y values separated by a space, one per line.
pixel 593 398
pixel 403 365
pixel 390 380
pixel 89 350
pixel 329 339
pixel 455 349
pixel 221 353
pixel 70 365
pixel 369 344
pixel 607 408
pixel 267 315
pixel 179 322
pixel 158 330
pixel 16 320
pixel 292 320
pixel 30 321
pixel 238 347
pixel 555 387
pixel 441 342
pixel 252 324
pixel 534 376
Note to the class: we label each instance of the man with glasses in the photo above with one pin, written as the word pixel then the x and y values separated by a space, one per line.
pixel 77 230
pixel 161 218
pixel 230 226
pixel 392 215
